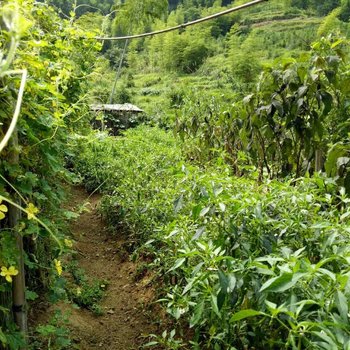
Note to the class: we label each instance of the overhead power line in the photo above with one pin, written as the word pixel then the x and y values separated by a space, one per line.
pixel 184 25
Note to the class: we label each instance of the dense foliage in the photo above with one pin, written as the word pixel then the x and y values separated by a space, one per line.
pixel 33 171
pixel 297 112
pixel 81 7
pixel 261 266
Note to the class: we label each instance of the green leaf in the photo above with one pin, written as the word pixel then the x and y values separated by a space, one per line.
pixel 342 305
pixel 241 315
pixel 178 204
pixel 223 281
pixel 214 304
pixel 328 342
pixel 196 211
pixel 3 339
pixel 327 100
pixel 222 207
pixel 151 343
pixel 344 216
pixel 302 91
pixel 197 315
pixel 221 299
pixel 177 312
pixel 337 151
pixel 204 211
pixel 198 233
pixel 217 190
pixel 178 263
pixel 4 310
pixel 279 107
pixel 70 214
pixel 328 273
pixel 343 161
pixel 31 295
pixel 281 283
pixel 188 287
pixel 300 305
pixel 335 44
pixel 227 282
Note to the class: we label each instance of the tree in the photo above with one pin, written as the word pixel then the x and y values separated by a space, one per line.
pixel 325 6
pixel 345 11
pixel 322 7
pixel 133 14
pixel 173 4
pixel 82 6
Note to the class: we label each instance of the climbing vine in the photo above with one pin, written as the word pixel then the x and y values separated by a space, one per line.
pixel 36 40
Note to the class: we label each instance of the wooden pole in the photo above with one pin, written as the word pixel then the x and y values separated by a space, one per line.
pixel 19 307
pixel 319 163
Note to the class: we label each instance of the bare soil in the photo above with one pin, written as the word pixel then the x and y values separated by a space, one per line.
pixel 124 322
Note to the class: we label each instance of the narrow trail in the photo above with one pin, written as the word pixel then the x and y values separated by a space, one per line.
pixel 123 323
pixel 285 20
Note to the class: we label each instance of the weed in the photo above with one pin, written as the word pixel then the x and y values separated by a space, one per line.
pixel 166 341
pixel 84 293
pixel 88 295
pixel 53 336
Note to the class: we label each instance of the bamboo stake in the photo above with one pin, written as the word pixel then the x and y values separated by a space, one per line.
pixel 319 163
pixel 18 285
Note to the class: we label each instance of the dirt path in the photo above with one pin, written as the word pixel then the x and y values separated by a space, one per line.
pixel 123 323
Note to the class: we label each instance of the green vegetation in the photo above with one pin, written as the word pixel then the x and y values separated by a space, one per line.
pixel 298 110
pixel 255 265
pixel 84 293
pixel 53 335
pixel 32 165
pixel 235 188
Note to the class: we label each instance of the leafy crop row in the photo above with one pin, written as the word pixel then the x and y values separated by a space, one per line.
pixel 244 265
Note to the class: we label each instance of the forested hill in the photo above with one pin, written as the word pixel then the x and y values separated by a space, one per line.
pixel 212 56
pixel 225 55
pixel 321 7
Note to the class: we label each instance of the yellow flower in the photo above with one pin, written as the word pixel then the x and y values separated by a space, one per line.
pixel 31 211
pixel 3 209
pixel 58 267
pixel 78 291
pixel 68 243
pixel 8 273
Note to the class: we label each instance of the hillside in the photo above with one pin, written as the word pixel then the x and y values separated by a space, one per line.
pixel 213 56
